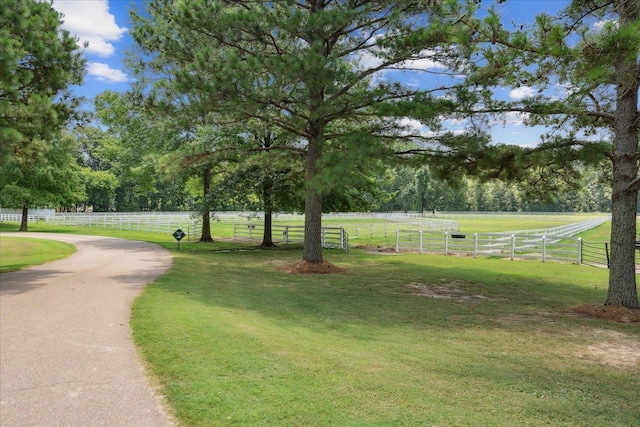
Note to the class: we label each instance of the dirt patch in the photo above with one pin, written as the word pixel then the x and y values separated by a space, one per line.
pixel 377 250
pixel 304 267
pixel 616 313
pixel 455 290
pixel 613 349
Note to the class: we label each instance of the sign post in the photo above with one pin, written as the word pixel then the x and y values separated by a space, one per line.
pixel 178 234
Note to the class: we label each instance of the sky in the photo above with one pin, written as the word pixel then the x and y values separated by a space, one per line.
pixel 105 25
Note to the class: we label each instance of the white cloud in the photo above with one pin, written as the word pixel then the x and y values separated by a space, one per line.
pixel 521 92
pixel 512 118
pixel 411 126
pixel 515 118
pixel 104 73
pixel 605 23
pixel 455 122
pixel 91 21
pixel 425 62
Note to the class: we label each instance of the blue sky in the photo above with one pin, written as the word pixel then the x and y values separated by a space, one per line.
pixel 105 25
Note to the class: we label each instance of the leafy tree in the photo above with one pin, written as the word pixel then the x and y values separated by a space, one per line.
pixel 100 187
pixel 272 175
pixel 45 174
pixel 38 62
pixel 316 69
pixel 129 150
pixel 201 153
pixel 583 70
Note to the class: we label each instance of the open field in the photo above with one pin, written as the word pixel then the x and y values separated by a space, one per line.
pixel 394 340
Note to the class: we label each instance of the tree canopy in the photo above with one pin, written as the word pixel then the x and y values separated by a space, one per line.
pixel 38 62
pixel 316 69
pixel 582 72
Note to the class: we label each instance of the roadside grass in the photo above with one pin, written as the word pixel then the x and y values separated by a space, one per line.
pixel 17 253
pixel 232 340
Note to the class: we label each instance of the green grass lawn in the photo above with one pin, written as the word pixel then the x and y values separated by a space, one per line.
pixel 17 253
pixel 234 341
pixel 396 340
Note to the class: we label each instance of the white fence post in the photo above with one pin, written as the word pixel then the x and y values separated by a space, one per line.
pixel 397 240
pixel 513 246
pixel 544 248
pixel 446 242
pixel 420 242
pixel 579 250
pixel 475 245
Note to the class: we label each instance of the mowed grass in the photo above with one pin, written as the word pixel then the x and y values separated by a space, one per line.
pixel 232 340
pixel 17 253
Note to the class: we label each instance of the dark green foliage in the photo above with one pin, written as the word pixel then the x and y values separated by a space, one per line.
pixel 584 67
pixel 38 62
pixel 44 175
pixel 315 70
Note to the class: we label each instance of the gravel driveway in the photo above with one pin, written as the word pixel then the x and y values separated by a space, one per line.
pixel 66 354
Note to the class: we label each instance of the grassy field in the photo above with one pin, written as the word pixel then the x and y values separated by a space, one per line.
pixel 396 340
pixel 17 253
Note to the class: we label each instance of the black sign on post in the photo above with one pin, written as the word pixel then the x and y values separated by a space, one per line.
pixel 179 235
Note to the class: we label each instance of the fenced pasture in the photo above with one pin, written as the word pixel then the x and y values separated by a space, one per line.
pixel 508 235
pixel 332 237
pixel 550 244
pixel 512 246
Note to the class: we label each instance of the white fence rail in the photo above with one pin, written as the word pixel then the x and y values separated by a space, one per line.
pixel 332 237
pixel 126 222
pixel 565 230
pixel 512 246
pixel 18 218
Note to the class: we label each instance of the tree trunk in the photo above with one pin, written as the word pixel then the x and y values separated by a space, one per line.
pixel 25 217
pixel 312 251
pixel 624 197
pixel 267 237
pixel 206 220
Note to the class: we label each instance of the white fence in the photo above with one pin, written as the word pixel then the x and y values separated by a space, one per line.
pixel 332 237
pixel 412 232
pixel 549 244
pixel 512 246
pixel 18 218
pixel 565 230
pixel 149 223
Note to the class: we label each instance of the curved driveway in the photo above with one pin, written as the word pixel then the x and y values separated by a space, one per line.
pixel 66 354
